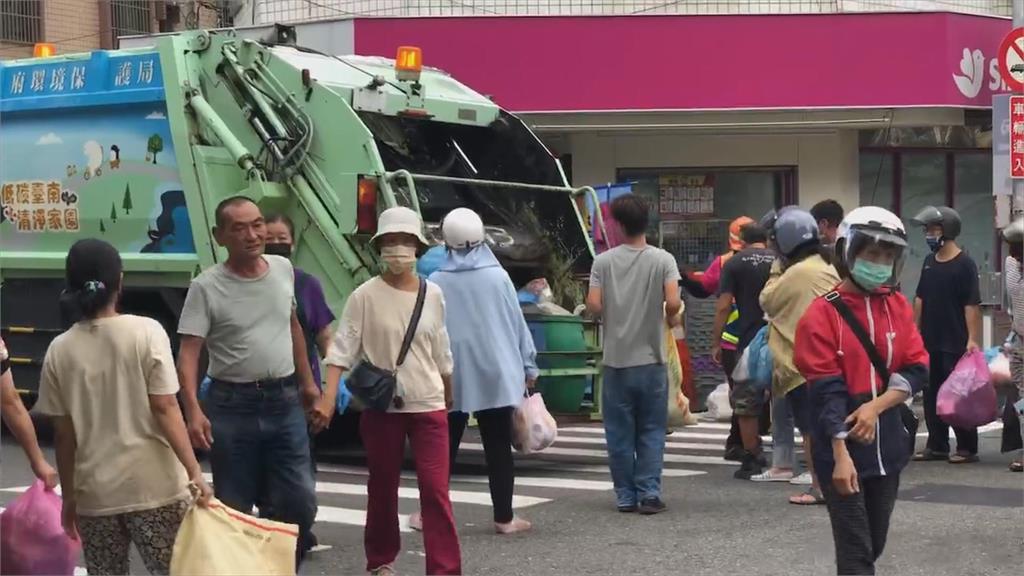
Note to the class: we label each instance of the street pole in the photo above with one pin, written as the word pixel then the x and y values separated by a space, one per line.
pixel 1017 202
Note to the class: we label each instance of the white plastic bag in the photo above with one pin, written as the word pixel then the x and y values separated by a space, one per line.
pixel 533 427
pixel 999 367
pixel 718 403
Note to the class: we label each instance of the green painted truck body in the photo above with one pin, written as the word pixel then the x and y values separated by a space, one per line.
pixel 137 147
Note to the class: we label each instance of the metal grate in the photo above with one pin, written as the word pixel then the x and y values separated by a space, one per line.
pixel 21 21
pixel 130 17
pixel 270 11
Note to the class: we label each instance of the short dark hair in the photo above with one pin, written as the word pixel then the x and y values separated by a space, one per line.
pixel 631 212
pixel 753 234
pixel 93 273
pixel 828 210
pixel 284 219
pixel 228 203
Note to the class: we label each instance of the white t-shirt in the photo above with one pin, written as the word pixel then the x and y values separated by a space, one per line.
pixel 373 326
pixel 101 373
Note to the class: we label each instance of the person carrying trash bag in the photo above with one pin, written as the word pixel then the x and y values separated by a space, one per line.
pixel 1013 271
pixel 123 451
pixel 862 356
pixel 494 354
pixel 16 417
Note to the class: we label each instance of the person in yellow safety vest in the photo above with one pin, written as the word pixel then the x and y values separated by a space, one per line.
pixel 705 285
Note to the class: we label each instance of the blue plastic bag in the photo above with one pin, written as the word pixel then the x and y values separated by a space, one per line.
pixel 204 387
pixel 760 360
pixel 430 262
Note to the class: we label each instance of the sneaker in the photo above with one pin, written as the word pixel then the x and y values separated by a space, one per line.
pixel 627 508
pixel 802 480
pixel 516 525
pixel 752 466
pixel 773 475
pixel 385 570
pixel 650 506
pixel 734 454
pixel 416 522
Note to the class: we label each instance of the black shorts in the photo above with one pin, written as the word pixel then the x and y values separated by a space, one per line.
pixel 800 405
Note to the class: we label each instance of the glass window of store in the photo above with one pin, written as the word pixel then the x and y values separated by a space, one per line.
pixel 933 172
pixel 695 205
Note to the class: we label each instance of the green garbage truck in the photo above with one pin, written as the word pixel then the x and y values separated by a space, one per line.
pixel 138 146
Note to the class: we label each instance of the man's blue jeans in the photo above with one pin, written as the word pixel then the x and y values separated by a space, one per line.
pixel 634 404
pixel 260 451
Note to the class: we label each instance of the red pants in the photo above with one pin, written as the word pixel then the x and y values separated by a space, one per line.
pixel 384 438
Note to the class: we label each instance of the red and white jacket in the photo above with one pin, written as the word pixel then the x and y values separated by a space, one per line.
pixel 841 377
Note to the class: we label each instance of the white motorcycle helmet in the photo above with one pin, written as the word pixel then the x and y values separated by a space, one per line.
pixel 869 225
pixel 463 229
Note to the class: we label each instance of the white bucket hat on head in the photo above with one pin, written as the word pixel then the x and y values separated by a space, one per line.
pixel 400 220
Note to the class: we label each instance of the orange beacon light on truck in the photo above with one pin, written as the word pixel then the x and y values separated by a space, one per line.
pixel 408 63
pixel 44 49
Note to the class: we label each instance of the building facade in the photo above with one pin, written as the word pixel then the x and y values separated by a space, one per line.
pixel 83 25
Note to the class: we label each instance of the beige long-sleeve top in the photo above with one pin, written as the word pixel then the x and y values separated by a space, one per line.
pixel 372 327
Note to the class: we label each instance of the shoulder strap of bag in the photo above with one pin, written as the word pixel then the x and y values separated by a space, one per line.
pixel 836 301
pixel 410 333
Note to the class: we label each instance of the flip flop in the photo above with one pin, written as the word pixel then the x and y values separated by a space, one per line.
pixel 929 455
pixel 963 458
pixel 809 498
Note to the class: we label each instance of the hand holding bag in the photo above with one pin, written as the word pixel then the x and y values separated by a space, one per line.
pixel 375 387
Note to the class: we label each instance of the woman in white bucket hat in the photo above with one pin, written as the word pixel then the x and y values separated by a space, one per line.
pixel 372 329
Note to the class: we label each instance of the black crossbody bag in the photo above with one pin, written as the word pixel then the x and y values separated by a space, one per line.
pixel 375 387
pixel 910 421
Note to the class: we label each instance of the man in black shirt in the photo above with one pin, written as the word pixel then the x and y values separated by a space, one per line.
pixel 743 278
pixel 946 308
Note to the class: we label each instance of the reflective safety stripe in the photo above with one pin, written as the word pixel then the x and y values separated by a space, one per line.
pixel 727 336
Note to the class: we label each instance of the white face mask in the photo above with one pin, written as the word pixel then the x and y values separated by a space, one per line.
pixel 399 259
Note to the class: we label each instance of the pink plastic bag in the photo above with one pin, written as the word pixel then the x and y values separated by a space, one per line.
pixel 32 540
pixel 967 399
pixel 533 427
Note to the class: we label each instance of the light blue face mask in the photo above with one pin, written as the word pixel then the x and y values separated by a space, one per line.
pixel 870 275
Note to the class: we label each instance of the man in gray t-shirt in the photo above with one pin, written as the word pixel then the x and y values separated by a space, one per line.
pixel 634 287
pixel 253 420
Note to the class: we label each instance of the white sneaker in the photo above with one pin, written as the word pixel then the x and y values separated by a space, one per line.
pixel 416 521
pixel 773 475
pixel 802 480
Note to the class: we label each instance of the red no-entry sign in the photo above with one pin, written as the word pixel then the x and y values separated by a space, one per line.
pixel 1011 59
pixel 1017 136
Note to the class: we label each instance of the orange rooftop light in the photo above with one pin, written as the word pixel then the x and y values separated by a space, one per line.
pixel 44 49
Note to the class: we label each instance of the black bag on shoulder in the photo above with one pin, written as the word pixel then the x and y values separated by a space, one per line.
pixel 375 387
pixel 910 420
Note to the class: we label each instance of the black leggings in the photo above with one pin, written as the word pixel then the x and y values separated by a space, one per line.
pixel 496 434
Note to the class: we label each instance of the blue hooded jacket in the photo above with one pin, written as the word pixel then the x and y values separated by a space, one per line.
pixel 491 343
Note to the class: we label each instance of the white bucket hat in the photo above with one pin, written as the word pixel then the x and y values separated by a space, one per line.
pixel 400 220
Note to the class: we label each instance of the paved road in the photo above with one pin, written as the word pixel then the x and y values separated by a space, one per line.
pixel 955 520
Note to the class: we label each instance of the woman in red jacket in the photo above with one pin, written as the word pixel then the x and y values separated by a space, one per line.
pixel 859 438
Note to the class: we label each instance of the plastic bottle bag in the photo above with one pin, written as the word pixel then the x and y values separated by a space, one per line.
pixel 32 540
pixel 967 398
pixel 533 427
pixel 220 541
pixel 759 358
pixel 678 403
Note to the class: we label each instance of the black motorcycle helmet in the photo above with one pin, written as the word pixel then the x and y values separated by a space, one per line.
pixel 943 216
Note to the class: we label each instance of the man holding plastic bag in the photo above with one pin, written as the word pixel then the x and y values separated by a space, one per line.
pixel 946 308
pixel 633 287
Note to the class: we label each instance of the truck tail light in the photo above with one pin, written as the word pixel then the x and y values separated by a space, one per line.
pixel 366 206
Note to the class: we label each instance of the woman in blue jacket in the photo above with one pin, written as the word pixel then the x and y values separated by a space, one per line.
pixel 495 359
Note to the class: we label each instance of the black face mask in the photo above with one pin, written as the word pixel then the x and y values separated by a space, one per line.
pixel 279 249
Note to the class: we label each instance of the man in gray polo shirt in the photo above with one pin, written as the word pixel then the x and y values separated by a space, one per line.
pixel 634 287
pixel 253 421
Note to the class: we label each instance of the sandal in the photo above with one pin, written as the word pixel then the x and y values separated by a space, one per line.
pixel 811 497
pixel 929 455
pixel 963 458
pixel 1017 466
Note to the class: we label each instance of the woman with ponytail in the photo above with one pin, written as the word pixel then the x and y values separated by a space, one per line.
pixel 123 452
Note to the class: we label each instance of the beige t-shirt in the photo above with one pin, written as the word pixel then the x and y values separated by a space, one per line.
pixel 373 326
pixel 101 373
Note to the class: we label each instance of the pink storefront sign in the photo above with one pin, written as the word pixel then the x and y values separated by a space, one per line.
pixel 561 64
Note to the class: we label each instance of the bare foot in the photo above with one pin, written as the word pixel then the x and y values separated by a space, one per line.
pixel 516 525
pixel 416 521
